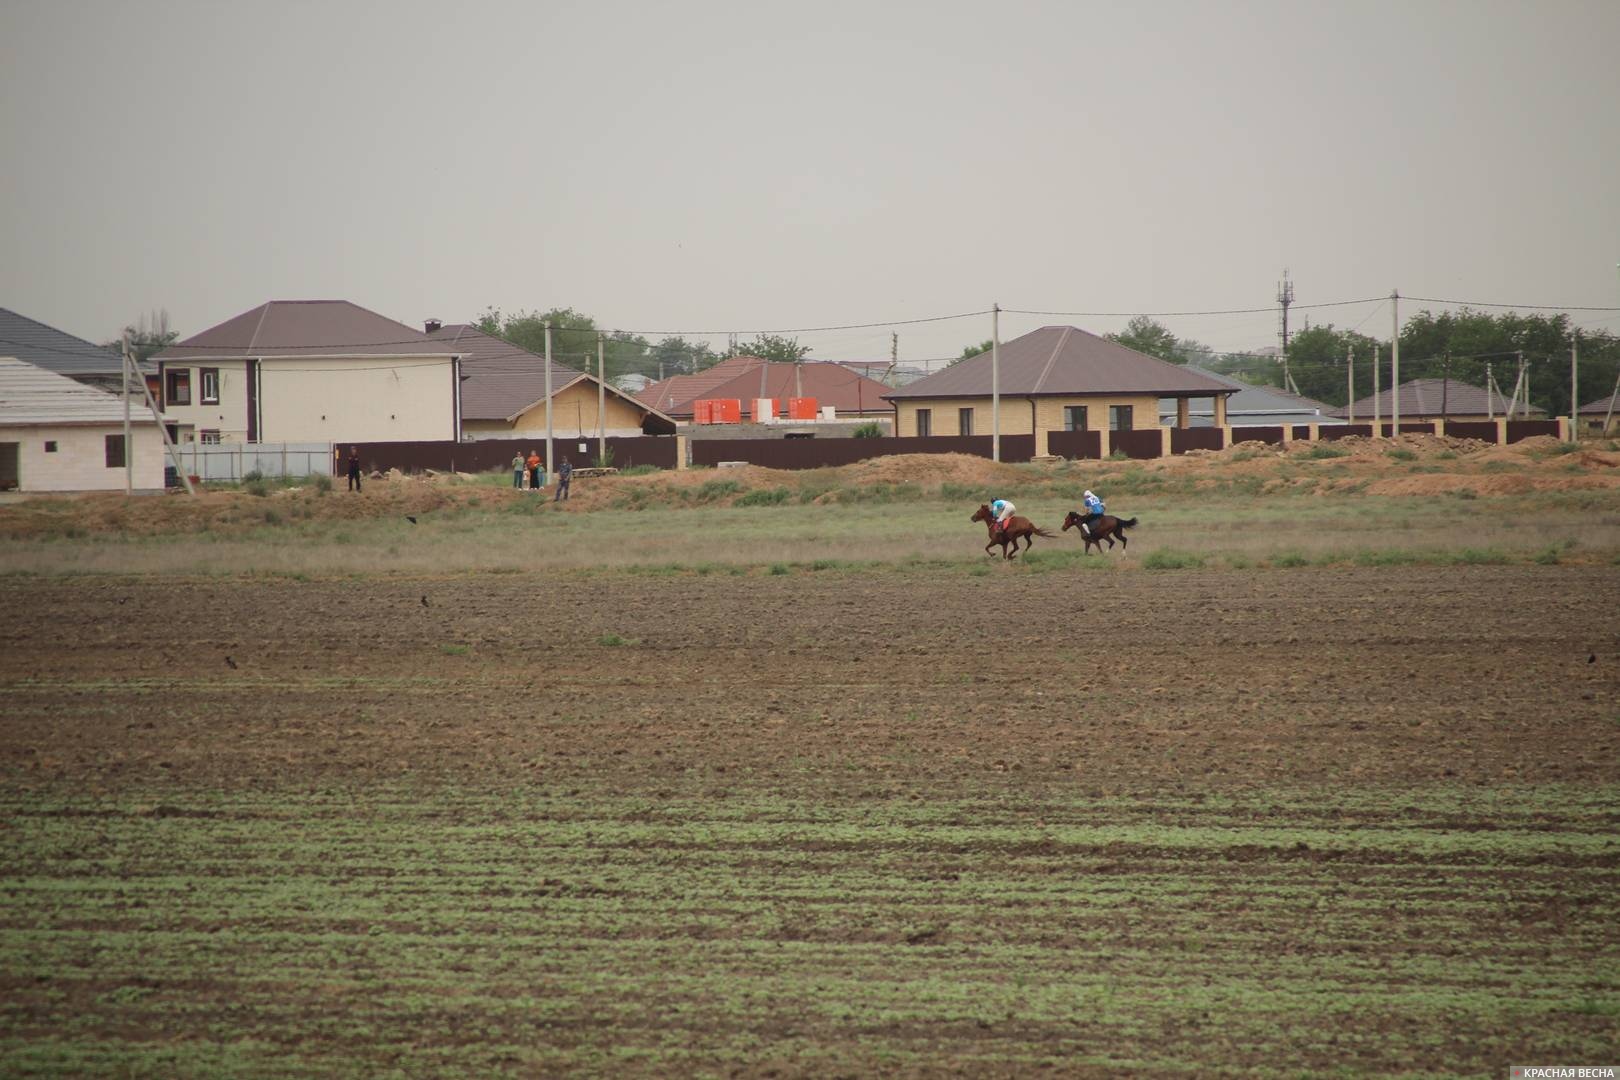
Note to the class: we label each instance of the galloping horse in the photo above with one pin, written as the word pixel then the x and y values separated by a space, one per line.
pixel 1018 528
pixel 1104 528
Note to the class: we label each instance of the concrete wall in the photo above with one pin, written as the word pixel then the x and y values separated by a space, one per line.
pixel 80 460
pixel 230 416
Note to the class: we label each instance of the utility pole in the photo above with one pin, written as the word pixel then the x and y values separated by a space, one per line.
pixel 129 458
pixel 995 382
pixel 1378 406
pixel 1445 387
pixel 1350 380
pixel 601 400
pixel 1395 362
pixel 1574 377
pixel 1490 388
pixel 549 470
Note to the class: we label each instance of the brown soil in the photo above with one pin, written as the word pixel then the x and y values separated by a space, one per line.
pixel 1404 675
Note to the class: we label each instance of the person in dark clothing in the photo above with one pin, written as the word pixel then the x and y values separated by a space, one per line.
pixel 354 468
pixel 565 473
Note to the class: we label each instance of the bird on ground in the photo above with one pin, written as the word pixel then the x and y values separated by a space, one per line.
pixel 410 519
pixel 230 663
pixel 424 601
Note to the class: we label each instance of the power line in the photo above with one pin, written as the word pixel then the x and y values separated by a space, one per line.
pixel 1530 307
pixel 1178 314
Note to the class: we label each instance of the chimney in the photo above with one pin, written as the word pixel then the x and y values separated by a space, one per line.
pixel 431 325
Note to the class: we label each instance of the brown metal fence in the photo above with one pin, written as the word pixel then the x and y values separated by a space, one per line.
pixel 1270 435
pixel 1344 431
pixel 1463 429
pixel 1526 429
pixel 1138 443
pixel 487 454
pixel 1203 438
pixel 821 453
pixel 1074 445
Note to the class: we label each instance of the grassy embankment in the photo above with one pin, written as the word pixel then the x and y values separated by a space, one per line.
pixel 1302 511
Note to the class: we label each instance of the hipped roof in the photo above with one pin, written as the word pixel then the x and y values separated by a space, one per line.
pixel 306 328
pixel 1424 397
pixel 502 381
pixel 30 395
pixel 1063 360
pixel 56 350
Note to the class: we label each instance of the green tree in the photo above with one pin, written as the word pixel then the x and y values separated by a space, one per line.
pixel 770 347
pixel 148 338
pixel 677 356
pixel 1146 335
pixel 1316 362
pixel 974 350
pixel 573 340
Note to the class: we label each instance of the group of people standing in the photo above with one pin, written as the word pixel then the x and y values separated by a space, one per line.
pixel 536 471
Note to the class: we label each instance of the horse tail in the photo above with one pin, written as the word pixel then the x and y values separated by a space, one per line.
pixel 1131 524
pixel 1042 532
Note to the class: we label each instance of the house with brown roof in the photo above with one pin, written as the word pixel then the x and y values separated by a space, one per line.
pixel 747 378
pixel 1595 415
pixel 503 393
pixel 312 371
pixel 1435 399
pixel 1057 378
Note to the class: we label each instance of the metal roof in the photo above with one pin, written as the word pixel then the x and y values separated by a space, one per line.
pixel 57 350
pixel 1424 397
pixel 306 328
pixel 1602 405
pixel 1253 404
pixel 1063 360
pixel 502 381
pixel 30 395
pixel 745 378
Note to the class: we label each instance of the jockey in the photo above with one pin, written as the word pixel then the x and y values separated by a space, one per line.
pixel 1003 512
pixel 1094 510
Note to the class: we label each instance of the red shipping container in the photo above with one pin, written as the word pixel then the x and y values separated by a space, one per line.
pixel 802 408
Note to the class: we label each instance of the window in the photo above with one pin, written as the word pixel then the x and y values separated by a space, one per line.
pixel 1119 417
pixel 925 421
pixel 115 451
pixel 50 446
pixel 964 421
pixel 178 388
pixel 1074 418
pixel 208 438
pixel 208 385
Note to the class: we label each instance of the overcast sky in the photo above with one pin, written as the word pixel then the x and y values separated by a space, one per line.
pixel 709 166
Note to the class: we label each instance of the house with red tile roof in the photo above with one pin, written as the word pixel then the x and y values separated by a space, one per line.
pixel 747 378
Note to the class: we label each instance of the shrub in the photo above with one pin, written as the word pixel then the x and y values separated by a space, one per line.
pixel 252 475
pixel 323 484
pixel 638 470
pixel 604 457
pixel 765 497
pixel 869 430
pixel 1400 453
pixel 1290 558
pixel 257 485
pixel 1321 450
pixel 1172 560
pixel 710 490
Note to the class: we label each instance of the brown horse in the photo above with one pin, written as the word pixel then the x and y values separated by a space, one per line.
pixel 1018 528
pixel 1104 528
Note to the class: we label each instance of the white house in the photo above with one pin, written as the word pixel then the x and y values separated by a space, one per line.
pixel 60 435
pixel 312 371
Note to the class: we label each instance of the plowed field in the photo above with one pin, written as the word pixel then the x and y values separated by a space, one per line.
pixel 1275 822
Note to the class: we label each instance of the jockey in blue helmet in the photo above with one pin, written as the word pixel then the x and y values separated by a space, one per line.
pixel 1094 510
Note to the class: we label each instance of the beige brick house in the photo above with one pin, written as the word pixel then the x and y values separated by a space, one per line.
pixel 1057 378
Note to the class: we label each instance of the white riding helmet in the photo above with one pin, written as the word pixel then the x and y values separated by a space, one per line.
pixel 1089 495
